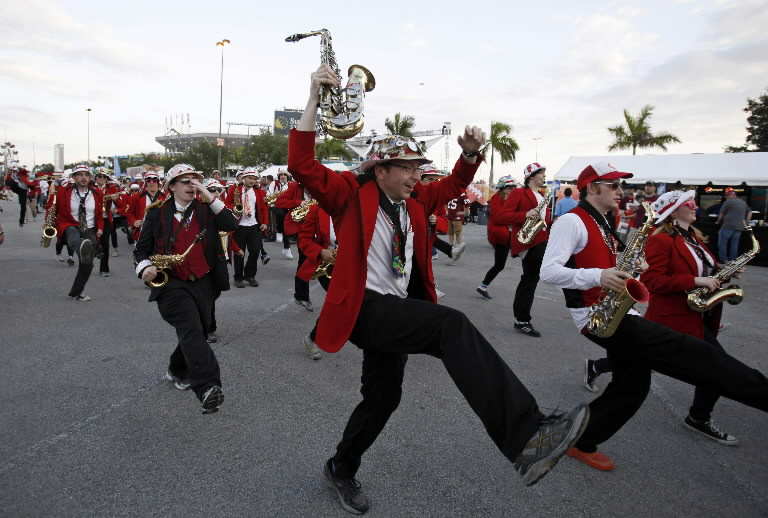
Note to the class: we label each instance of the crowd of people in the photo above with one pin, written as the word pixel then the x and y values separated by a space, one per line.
pixel 380 224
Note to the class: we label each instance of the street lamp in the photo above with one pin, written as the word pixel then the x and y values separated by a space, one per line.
pixel 88 112
pixel 219 142
pixel 536 144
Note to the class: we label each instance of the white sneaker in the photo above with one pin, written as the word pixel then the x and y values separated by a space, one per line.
pixel 440 294
pixel 287 253
pixel 457 250
pixel 312 349
pixel 60 258
pixel 114 253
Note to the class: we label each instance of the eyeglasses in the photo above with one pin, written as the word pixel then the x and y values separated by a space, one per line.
pixel 690 204
pixel 614 186
pixel 409 170
pixel 430 180
pixel 215 189
pixel 185 181
pixel 150 180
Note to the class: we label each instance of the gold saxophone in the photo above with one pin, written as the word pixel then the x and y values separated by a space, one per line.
pixel 270 199
pixel 223 236
pixel 700 300
pixel 49 229
pixel 237 201
pixel 534 224
pixel 299 213
pixel 341 108
pixel 168 261
pixel 606 314
pixel 325 268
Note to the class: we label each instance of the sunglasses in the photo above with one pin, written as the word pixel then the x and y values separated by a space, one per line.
pixel 215 189
pixel 614 186
pixel 690 204
pixel 185 181
pixel 150 180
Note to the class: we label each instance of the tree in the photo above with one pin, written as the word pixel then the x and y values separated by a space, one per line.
pixel 400 125
pixel 331 147
pixel 637 133
pixel 757 131
pixel 266 149
pixel 501 142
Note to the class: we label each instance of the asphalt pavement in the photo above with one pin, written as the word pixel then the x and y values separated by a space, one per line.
pixel 91 429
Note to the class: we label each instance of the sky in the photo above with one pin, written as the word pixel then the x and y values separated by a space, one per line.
pixel 560 72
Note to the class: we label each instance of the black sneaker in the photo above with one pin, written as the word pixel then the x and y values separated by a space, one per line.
pixel 305 304
pixel 253 282
pixel 86 247
pixel 81 298
pixel 709 430
pixel 70 261
pixel 212 338
pixel 590 376
pixel 483 292
pixel 555 435
pixel 265 258
pixel 239 284
pixel 527 329
pixel 212 399
pixel 349 491
pixel 177 381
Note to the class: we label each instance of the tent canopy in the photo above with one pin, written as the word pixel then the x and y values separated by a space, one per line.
pixel 696 169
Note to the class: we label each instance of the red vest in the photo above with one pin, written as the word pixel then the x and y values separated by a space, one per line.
pixel 195 263
pixel 595 255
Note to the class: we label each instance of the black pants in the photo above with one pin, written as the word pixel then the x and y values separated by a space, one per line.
pixel 639 346
pixel 500 254
pixel 300 287
pixel 121 222
pixel 249 241
pixel 526 288
pixel 187 307
pixel 704 399
pixel 104 245
pixel 388 329
pixel 60 246
pixel 74 238
pixel 22 194
pixel 443 246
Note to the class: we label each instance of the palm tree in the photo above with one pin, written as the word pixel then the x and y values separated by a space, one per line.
pixel 400 125
pixel 331 147
pixel 637 133
pixel 502 142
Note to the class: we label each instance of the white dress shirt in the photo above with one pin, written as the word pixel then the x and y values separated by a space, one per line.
pixel 250 194
pixel 90 207
pixel 381 278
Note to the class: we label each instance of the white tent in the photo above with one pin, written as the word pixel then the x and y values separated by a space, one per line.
pixel 696 169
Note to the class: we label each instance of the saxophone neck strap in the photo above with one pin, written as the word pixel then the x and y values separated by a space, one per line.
pixel 601 220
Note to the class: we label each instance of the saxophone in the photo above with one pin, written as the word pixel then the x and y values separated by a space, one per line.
pixel 299 213
pixel 270 199
pixel 606 314
pixel 533 225
pixel 237 201
pixel 341 108
pixel 325 268
pixel 700 300
pixel 168 261
pixel 49 229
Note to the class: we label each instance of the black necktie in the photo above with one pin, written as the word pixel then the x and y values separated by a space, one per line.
pixel 81 212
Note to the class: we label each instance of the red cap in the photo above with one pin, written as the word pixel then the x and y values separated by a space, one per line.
pixel 599 171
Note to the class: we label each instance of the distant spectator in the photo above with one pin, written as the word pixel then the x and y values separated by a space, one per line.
pixel 566 204
pixel 734 215
pixel 650 197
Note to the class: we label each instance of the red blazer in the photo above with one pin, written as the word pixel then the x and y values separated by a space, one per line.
pixel 262 212
pixel 64 217
pixel 519 202
pixel 353 208
pixel 136 210
pixel 671 271
pixel 290 199
pixel 314 237
pixel 109 188
pixel 497 234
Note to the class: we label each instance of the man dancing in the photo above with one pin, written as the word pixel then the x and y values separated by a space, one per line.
pixel 253 222
pixel 382 299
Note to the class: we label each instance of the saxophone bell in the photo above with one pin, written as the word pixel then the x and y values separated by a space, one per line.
pixel 159 281
pixel 49 232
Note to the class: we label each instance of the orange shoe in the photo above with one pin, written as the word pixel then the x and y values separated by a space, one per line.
pixel 597 460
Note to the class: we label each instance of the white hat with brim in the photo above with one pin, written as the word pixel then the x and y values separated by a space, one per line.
pixel 182 169
pixel 669 202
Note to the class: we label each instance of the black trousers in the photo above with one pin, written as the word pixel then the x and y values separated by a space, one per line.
pixel 187 307
pixel 388 329
pixel 500 254
pixel 443 246
pixel 526 288
pixel 22 194
pixel 300 287
pixel 121 222
pixel 640 346
pixel 104 245
pixel 249 241
pixel 74 238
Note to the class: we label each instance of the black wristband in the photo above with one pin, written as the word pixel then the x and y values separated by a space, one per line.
pixel 470 154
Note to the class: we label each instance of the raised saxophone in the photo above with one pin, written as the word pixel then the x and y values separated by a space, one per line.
pixel 168 261
pixel 300 213
pixel 534 224
pixel 341 108
pixel 49 229
pixel 700 300
pixel 606 314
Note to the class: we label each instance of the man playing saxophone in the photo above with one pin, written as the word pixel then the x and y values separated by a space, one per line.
pixel 186 300
pixel 580 259
pixel 247 203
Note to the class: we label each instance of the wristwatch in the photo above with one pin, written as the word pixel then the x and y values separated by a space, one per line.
pixel 470 154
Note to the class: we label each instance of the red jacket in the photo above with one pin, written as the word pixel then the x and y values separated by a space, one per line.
pixel 64 217
pixel 671 272
pixel 290 199
pixel 262 212
pixel 353 208
pixel 109 189
pixel 518 203
pixel 497 234
pixel 314 237
pixel 136 210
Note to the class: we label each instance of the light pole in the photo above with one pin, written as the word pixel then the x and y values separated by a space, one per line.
pixel 219 143
pixel 88 112
pixel 536 144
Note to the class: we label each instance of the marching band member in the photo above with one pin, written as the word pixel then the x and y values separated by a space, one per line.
pixel 123 206
pixel 138 205
pixel 499 236
pixel 278 214
pixel 217 190
pixel 79 222
pixel 106 189
pixel 18 180
pixel 520 205
pixel 581 259
pixel 60 241
pixel 171 226
pixel 291 198
pixel 382 299
pixel 252 223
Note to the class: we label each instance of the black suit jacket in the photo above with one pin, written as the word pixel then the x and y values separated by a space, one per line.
pixel 157 230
